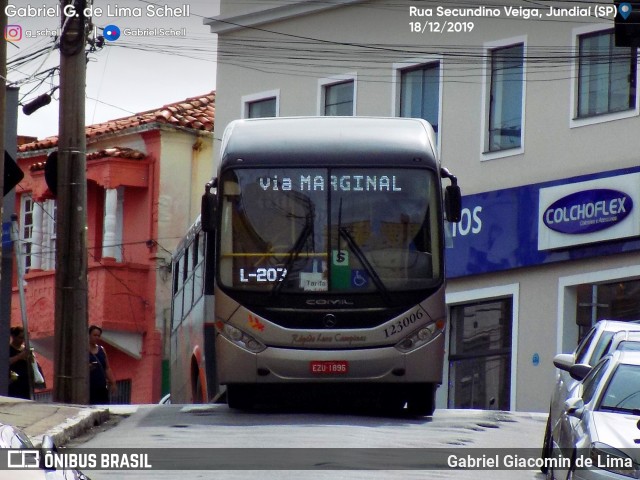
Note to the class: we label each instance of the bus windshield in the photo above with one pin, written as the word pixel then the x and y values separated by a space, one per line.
pixel 347 230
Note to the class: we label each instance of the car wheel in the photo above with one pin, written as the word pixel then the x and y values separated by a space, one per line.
pixel 570 472
pixel 546 445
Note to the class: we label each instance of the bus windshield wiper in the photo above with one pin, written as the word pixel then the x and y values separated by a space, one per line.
pixel 355 248
pixel 294 253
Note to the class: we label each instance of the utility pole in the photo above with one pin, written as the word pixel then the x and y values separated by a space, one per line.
pixel 4 322
pixel 9 208
pixel 71 363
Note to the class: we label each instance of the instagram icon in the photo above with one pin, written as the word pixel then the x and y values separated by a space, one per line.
pixel 13 33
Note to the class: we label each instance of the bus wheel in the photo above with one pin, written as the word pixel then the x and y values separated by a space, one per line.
pixel 198 394
pixel 391 403
pixel 197 391
pixel 240 396
pixel 421 399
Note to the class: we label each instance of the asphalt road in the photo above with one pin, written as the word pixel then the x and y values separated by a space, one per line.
pixel 212 441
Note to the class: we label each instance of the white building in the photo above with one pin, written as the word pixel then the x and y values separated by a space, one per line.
pixel 536 114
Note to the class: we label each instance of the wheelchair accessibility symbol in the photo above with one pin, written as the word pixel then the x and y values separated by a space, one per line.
pixel 359 278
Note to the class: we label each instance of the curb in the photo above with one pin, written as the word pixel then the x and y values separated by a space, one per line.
pixel 73 426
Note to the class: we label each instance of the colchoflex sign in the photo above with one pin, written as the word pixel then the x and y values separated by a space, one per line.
pixel 574 218
pixel 566 219
pixel 588 211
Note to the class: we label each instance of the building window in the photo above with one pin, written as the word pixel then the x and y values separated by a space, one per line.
pixel 38 233
pixel 49 235
pixel 261 108
pixel 123 395
pixel 261 104
pixel 339 99
pixel 26 228
pixel 606 75
pixel 112 225
pixel 420 93
pixel 506 98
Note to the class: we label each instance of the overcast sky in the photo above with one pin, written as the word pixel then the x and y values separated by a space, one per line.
pixel 127 76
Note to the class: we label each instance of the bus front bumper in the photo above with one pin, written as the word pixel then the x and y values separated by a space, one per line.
pixel 288 365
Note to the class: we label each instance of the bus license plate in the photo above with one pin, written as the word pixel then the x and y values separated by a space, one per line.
pixel 329 367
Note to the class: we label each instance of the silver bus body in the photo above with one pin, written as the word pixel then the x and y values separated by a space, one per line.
pixel 329 262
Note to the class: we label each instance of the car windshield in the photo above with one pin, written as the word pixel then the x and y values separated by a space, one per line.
pixel 628 346
pixel 326 230
pixel 622 393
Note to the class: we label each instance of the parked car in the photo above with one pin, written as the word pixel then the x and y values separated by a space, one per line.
pixel 589 351
pixel 599 422
pixel 625 340
pixel 13 438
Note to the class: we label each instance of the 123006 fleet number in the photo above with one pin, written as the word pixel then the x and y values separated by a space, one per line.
pixel 401 324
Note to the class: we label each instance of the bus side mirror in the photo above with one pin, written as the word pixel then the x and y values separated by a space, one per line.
pixel 208 209
pixel 453 203
pixel 452 198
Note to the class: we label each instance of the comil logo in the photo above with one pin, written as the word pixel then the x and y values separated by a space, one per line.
pixel 13 33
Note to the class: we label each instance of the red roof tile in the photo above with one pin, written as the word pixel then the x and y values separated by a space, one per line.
pixel 113 152
pixel 197 113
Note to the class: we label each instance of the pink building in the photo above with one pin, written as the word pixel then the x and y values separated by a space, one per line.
pixel 145 176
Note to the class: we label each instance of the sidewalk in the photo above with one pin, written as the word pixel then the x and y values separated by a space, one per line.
pixel 61 421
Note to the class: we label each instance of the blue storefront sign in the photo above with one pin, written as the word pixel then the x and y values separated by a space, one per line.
pixel 570 219
pixel 587 211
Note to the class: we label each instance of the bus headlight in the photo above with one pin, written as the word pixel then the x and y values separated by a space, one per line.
pixel 420 337
pixel 242 339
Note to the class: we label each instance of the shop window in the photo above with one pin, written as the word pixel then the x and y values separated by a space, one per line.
pixel 480 355
pixel 610 301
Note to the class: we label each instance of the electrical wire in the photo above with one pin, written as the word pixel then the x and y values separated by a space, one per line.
pixel 273 52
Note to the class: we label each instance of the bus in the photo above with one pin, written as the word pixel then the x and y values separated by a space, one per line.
pixel 191 358
pixel 323 267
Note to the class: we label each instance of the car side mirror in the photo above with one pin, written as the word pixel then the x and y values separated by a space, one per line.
pixel 564 361
pixel 579 371
pixel 48 443
pixel 46 446
pixel 574 407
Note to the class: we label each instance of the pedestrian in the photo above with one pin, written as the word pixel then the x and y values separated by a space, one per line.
pixel 101 378
pixel 19 363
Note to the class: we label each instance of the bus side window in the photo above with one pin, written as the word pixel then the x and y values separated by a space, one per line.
pixel 177 292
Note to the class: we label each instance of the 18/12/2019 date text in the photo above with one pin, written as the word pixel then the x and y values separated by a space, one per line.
pixel 441 27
